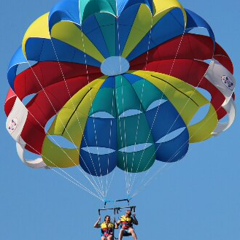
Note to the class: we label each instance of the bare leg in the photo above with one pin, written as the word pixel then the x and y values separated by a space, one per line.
pixel 121 235
pixel 134 235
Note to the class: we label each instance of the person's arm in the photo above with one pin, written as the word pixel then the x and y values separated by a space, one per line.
pixel 97 224
pixel 118 223
pixel 115 224
pixel 135 221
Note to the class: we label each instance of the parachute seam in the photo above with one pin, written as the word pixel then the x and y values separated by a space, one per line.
pixel 75 110
pixel 177 89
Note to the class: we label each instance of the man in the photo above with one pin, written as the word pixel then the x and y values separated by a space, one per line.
pixel 126 224
pixel 107 228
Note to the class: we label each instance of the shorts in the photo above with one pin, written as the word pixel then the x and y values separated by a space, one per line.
pixel 106 235
pixel 126 232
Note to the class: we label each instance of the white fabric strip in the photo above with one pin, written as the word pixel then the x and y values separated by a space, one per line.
pixel 225 82
pixel 230 108
pixel 15 124
pixel 16 119
pixel 37 163
pixel 222 79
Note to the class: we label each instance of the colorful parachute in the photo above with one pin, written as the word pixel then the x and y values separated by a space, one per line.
pixel 117 83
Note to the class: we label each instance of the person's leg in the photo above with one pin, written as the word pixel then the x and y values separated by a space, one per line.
pixel 134 235
pixel 110 237
pixel 121 234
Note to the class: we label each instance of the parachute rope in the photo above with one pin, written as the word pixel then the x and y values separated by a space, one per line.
pixel 97 186
pixel 150 130
pixel 160 168
pixel 145 182
pixel 71 179
pixel 77 183
pixel 132 177
pixel 122 129
pixel 93 181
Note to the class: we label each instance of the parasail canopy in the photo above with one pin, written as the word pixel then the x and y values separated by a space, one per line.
pixel 106 84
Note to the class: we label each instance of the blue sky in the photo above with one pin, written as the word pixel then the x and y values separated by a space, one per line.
pixel 195 198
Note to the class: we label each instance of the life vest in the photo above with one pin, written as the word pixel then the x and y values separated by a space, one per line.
pixel 107 229
pixel 126 222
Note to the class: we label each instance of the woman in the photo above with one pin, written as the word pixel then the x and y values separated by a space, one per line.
pixel 107 228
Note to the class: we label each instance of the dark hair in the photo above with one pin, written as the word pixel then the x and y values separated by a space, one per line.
pixel 105 218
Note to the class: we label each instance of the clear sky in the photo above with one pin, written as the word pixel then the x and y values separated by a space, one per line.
pixel 196 198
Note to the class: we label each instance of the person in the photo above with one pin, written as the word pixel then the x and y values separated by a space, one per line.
pixel 107 228
pixel 126 225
